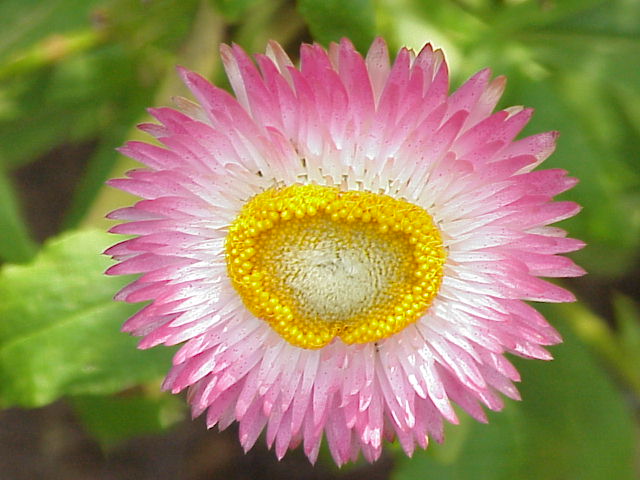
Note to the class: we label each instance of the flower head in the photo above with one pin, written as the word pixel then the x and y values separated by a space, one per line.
pixel 343 249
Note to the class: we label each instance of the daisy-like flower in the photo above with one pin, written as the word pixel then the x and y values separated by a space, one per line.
pixel 343 249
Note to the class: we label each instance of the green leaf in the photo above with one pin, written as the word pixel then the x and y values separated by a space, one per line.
pixel 80 81
pixel 101 163
pixel 591 87
pixel 60 329
pixel 15 242
pixel 571 423
pixel 612 233
pixel 578 423
pixel 627 335
pixel 113 419
pixel 628 320
pixel 330 20
pixel 618 348
pixel 574 62
pixel 512 17
pixel 602 18
pixel 48 108
pixel 24 22
pixel 233 9
pixel 490 452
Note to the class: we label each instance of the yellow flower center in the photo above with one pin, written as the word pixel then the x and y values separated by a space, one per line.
pixel 317 263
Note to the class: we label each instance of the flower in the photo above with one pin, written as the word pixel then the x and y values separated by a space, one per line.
pixel 343 249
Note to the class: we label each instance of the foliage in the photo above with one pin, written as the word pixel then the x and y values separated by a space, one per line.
pixel 60 327
pixel 81 72
pixel 543 436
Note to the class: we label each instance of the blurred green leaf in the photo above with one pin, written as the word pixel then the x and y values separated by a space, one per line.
pixel 456 435
pixel 101 163
pixel 199 52
pixel 490 452
pixel 618 348
pixel 515 16
pixel 592 76
pixel 612 233
pixel 233 9
pixel 81 80
pixel 571 423
pixel 60 329
pixel 277 20
pixel 575 62
pixel 628 322
pixel 330 20
pixel 15 242
pixel 577 422
pixel 113 419
pixel 54 106
pixel 25 22
pixel 603 18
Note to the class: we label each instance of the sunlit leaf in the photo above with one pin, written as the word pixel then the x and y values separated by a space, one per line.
pixel 60 329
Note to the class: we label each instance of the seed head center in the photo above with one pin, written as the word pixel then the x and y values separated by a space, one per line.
pixel 334 271
pixel 316 263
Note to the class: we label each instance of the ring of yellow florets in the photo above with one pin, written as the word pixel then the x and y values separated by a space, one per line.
pixel 317 263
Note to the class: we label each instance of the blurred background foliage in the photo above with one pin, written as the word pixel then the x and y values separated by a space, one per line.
pixel 77 75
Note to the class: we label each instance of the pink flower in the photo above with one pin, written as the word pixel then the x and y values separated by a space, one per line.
pixel 343 249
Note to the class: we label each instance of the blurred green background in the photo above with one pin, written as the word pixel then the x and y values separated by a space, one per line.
pixel 76 76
